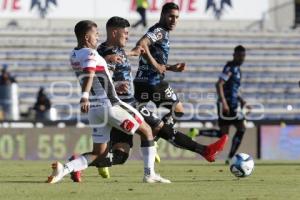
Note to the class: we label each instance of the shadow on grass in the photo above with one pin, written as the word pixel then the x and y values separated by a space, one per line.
pixel 199 181
pixel 22 182
pixel 258 163
pixel 278 164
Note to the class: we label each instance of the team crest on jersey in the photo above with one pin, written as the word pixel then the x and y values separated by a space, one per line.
pixel 218 6
pixel 159 36
pixel 158 33
pixel 43 6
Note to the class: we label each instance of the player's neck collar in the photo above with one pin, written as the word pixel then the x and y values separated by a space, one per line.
pixel 162 26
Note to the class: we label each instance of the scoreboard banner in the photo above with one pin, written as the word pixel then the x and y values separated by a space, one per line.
pixel 103 9
pixel 53 143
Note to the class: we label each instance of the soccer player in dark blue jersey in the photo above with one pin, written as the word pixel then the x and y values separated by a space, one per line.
pixel 149 82
pixel 229 99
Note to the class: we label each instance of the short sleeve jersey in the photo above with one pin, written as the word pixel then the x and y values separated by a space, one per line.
pixel 159 49
pixel 231 74
pixel 86 59
pixel 121 71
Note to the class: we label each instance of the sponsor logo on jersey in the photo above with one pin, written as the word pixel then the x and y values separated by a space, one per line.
pixel 127 125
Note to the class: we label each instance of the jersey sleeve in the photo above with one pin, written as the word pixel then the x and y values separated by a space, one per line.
pixel 226 73
pixel 106 51
pixel 155 35
pixel 89 61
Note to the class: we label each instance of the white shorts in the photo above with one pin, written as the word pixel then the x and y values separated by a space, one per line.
pixel 123 117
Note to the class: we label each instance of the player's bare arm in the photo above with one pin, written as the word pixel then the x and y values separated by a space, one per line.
pixel 144 42
pixel 220 92
pixel 241 99
pixel 178 67
pixel 244 104
pixel 86 87
pixel 136 51
pixel 113 58
pixel 122 87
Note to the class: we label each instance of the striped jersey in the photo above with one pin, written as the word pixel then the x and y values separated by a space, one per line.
pixel 86 59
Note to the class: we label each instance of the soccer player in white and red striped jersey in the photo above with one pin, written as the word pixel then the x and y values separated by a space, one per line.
pixel 105 110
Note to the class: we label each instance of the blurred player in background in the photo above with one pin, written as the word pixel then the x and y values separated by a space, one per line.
pixel 229 98
pixel 142 6
pixel 149 82
pixel 113 50
pixel 105 110
pixel 297 14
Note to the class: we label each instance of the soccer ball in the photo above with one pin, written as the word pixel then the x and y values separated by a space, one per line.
pixel 241 165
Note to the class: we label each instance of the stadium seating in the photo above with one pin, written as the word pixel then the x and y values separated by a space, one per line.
pixel 270 74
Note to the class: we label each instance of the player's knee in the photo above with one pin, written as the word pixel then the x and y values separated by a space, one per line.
pixel 119 157
pixel 145 131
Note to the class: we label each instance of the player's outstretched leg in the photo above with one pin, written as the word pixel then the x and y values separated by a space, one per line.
pixel 213 149
pixel 183 141
pixel 80 163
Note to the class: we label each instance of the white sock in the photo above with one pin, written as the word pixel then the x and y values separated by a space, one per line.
pixel 149 159
pixel 78 164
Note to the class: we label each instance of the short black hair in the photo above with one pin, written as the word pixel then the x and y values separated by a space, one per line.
pixel 239 48
pixel 82 27
pixel 169 6
pixel 117 22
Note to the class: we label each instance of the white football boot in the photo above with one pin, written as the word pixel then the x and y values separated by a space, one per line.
pixel 155 178
pixel 57 173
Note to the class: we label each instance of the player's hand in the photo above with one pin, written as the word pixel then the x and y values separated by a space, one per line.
pixel 84 105
pixel 114 58
pixel 137 51
pixel 248 108
pixel 122 87
pixel 179 67
pixel 243 102
pixel 161 68
pixel 42 108
pixel 225 108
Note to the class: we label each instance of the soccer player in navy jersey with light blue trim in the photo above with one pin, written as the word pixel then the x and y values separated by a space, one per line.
pixel 229 99
pixel 149 82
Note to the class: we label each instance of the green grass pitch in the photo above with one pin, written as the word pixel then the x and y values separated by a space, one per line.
pixel 191 180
